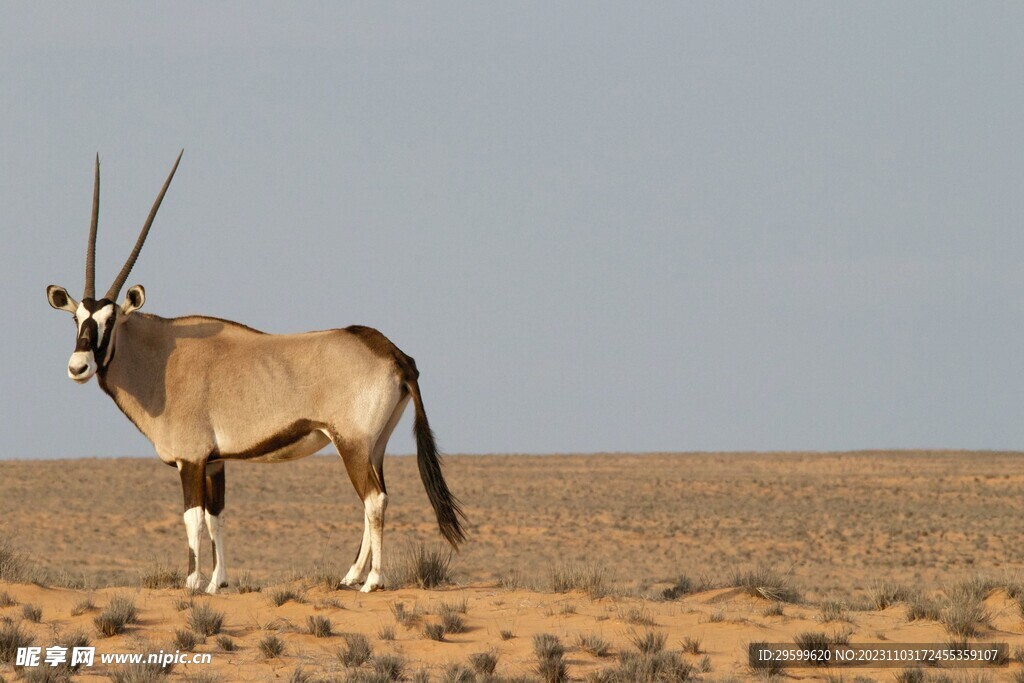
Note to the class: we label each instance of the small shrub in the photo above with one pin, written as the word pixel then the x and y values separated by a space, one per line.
pixel 638 616
pixel 922 607
pixel 225 643
pixel 162 576
pixel 185 639
pixel 283 595
pixel 247 584
pixel 484 663
pixel 550 658
pixel 773 610
pixel 389 667
pixel 11 638
pixel 457 673
pixel 327 574
pixel 814 643
pixel 357 650
pixel 589 578
pixel 271 646
pixel 120 612
pixel 141 673
pixel 32 613
pixel 319 626
pixel 205 620
pixel 594 644
pixel 451 619
pixel 184 603
pixel 13 566
pixel 833 610
pixel 655 666
pixel 506 634
pixel 386 633
pixel 649 641
pixel 423 567
pixel 6 600
pixel 299 675
pixel 766 669
pixel 406 617
pixel 716 617
pixel 964 611
pixel 83 606
pixel 691 645
pixel 887 593
pixel 765 582
pixel 434 632
pixel 682 586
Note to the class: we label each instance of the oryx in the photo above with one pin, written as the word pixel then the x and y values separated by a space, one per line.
pixel 206 390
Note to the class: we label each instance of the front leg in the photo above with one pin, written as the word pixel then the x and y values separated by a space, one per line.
pixel 193 488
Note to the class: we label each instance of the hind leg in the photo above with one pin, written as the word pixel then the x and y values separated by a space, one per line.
pixel 214 507
pixel 369 486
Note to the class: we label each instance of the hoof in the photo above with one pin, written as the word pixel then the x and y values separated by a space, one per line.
pixel 371 587
pixel 194 581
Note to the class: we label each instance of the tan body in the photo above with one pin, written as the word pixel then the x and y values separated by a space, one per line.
pixel 206 391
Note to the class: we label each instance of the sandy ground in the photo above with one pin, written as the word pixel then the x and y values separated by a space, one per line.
pixel 835 525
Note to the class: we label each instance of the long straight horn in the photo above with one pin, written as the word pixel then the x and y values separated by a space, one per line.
pixel 115 288
pixel 90 251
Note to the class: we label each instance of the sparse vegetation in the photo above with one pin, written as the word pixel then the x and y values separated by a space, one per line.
pixel 6 600
pixel 832 610
pixel 205 620
pixel 765 582
pixel 357 650
pixel 887 593
pixel 13 565
pixel 386 633
pixel 587 578
pixel 594 644
pixel 119 613
pixel 484 663
pixel 423 566
pixel 506 634
pixel 550 655
pixel 451 616
pixel 140 673
pixel 638 616
pixel 226 643
pixel 11 638
pixel 434 632
pixel 271 646
pixel 648 641
pixel 319 626
pixel 389 667
pixel 82 606
pixel 691 645
pixel 247 584
pixel 283 595
pixel 920 606
pixel 964 610
pixel 682 586
pixel 161 576
pixel 185 639
pixel 32 613
pixel 404 616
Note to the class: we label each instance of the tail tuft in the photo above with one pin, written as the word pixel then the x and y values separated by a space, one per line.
pixel 446 506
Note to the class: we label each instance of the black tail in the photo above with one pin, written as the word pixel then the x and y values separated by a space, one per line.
pixel 446 506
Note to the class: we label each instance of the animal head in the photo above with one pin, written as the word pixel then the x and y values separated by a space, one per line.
pixel 96 320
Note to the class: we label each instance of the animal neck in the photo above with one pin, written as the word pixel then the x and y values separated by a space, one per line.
pixel 135 375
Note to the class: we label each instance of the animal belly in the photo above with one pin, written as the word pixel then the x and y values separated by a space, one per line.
pixel 307 445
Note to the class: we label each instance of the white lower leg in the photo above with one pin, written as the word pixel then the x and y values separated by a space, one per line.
pixel 376 504
pixel 357 572
pixel 194 529
pixel 220 572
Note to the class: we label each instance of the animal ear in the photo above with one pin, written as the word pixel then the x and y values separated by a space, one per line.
pixel 134 299
pixel 60 299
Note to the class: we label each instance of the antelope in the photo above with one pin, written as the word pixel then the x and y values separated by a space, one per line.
pixel 206 391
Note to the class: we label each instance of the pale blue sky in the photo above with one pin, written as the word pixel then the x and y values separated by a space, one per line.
pixel 597 227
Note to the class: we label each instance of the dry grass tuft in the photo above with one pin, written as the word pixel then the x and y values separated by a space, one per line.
pixel 319 626
pixel 423 566
pixel 283 595
pixel 271 646
pixel 357 650
pixel 205 620
pixel 389 667
pixel 765 582
pixel 119 612
pixel 32 613
pixel 550 654
pixel 11 638
pixel 587 578
pixel 594 644
pixel 161 576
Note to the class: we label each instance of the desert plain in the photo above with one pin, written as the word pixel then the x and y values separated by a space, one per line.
pixel 691 556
